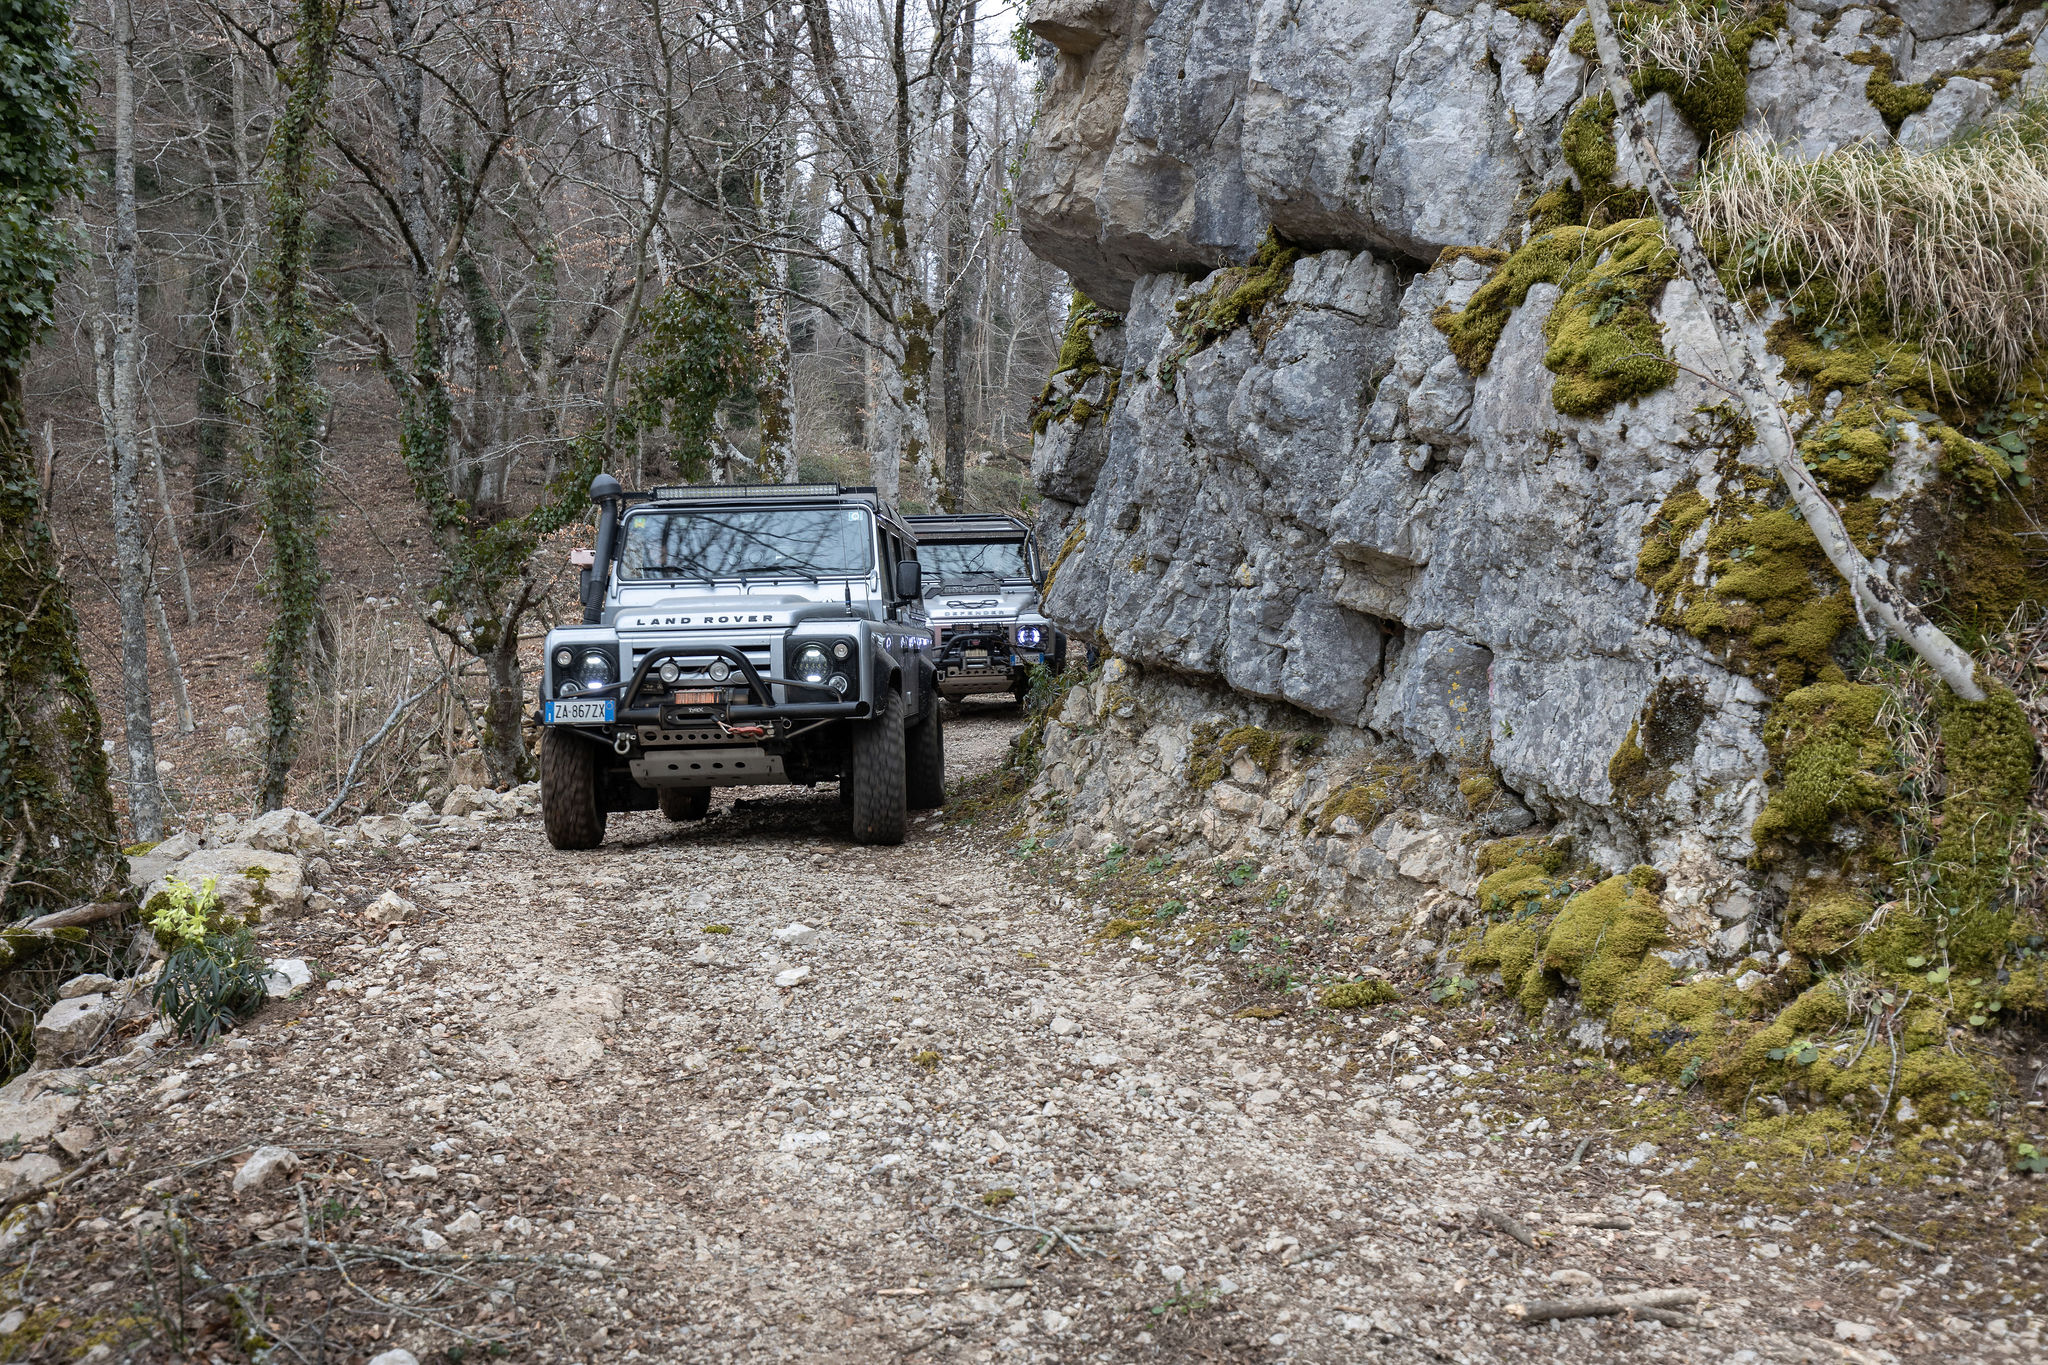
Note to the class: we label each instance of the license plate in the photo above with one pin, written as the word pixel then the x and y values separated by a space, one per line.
pixel 709 696
pixel 595 711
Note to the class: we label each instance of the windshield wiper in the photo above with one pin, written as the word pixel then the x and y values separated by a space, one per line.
pixel 796 569
pixel 676 571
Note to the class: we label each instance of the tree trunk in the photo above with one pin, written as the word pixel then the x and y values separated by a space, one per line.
pixel 910 390
pixel 124 448
pixel 57 842
pixel 215 489
pixel 957 248
pixel 292 405
pixel 503 742
pixel 163 498
pixel 1872 593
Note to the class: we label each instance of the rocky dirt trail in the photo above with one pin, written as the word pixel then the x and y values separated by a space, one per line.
pixel 739 1090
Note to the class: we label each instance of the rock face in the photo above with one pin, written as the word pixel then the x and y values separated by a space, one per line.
pixel 1172 133
pixel 1307 509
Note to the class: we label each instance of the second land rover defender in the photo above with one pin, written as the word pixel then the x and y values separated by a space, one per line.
pixel 742 635
pixel 981 589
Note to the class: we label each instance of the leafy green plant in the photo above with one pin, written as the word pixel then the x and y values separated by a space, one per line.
pixel 1237 874
pixel 1801 1053
pixel 1452 989
pixel 1240 939
pixel 1273 978
pixel 2028 1159
pixel 210 984
pixel 1187 1299
pixel 182 913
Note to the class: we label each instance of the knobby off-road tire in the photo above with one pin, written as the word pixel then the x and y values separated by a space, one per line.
pixel 924 754
pixel 571 790
pixel 880 815
pixel 684 803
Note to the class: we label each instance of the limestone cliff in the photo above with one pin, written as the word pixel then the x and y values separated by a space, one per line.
pixel 1385 433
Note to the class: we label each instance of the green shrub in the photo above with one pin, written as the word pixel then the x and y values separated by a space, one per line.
pixel 211 984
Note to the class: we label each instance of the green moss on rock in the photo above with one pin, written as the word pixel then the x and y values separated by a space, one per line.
pixel 1358 995
pixel 1600 938
pixel 1605 345
pixel 1827 751
pixel 1823 920
pixel 1215 748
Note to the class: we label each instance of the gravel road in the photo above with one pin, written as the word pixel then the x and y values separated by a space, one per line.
pixel 615 1105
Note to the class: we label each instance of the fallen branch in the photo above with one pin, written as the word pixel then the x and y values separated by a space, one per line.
pixel 348 779
pixel 1903 1240
pixel 1051 1235
pixel 79 914
pixel 1508 1225
pixel 1303 1255
pixel 1642 1303
pixel 1871 592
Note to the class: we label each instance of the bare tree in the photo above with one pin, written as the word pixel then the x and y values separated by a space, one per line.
pixel 123 390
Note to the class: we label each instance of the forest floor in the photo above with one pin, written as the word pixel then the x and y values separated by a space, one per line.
pixel 612 1106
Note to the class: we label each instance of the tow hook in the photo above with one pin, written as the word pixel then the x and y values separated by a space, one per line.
pixel 622 744
pixel 744 731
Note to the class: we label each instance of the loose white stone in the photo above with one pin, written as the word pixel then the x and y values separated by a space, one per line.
pixel 265 1167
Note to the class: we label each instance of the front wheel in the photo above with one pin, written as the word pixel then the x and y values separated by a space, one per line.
pixel 571 802
pixel 879 813
pixel 684 803
pixel 924 746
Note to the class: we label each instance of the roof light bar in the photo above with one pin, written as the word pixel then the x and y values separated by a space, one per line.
pixel 708 492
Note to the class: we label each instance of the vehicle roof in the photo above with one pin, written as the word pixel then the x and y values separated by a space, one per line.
pixel 726 496
pixel 955 527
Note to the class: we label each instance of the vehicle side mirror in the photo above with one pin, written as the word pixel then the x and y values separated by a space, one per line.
pixel 909 578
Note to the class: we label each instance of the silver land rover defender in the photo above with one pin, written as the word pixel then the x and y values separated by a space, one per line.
pixel 981 585
pixel 742 635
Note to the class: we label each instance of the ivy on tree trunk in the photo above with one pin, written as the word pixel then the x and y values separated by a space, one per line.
pixel 293 406
pixel 57 843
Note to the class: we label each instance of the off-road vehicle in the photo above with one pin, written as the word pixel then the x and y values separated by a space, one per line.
pixel 981 587
pixel 741 635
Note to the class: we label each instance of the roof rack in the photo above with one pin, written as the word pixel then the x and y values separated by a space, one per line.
pixel 967 526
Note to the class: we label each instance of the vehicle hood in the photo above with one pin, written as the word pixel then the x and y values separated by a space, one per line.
pixel 979 604
pixel 668 610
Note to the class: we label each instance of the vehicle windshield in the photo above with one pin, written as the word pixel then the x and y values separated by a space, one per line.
pixel 747 542
pixel 997 562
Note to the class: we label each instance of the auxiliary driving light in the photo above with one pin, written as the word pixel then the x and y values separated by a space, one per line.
pixel 720 670
pixel 670 670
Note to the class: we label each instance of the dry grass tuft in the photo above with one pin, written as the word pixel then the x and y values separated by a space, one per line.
pixel 1955 239
pixel 1687 40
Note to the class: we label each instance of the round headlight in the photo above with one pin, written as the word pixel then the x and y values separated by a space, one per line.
pixel 838 683
pixel 597 668
pixel 811 664
pixel 840 650
pixel 720 670
pixel 670 670
pixel 1028 635
pixel 564 657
